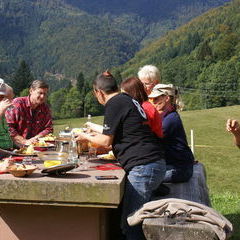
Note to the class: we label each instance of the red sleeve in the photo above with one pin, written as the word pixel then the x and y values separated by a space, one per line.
pixel 154 119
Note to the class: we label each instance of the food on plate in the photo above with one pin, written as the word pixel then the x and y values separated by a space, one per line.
pixel 26 150
pixel 21 170
pixel 109 156
pixel 50 163
pixel 77 130
pixel 30 149
pixel 41 143
pixel 5 164
pixel 49 137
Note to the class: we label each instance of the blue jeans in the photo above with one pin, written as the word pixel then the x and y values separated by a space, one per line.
pixel 175 175
pixel 140 183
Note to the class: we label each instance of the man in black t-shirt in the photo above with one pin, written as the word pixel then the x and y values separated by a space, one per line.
pixel 135 146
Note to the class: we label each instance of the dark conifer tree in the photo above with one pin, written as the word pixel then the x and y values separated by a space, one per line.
pixel 22 78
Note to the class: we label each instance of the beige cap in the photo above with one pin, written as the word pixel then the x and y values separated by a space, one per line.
pixel 163 89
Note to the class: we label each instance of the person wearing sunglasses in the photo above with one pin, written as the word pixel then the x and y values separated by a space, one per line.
pixel 179 157
pixel 135 146
pixel 30 118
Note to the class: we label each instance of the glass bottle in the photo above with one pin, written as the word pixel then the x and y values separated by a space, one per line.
pixel 72 153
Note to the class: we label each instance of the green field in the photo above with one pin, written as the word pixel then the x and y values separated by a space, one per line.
pixel 215 149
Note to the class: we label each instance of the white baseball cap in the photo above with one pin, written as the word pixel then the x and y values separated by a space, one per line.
pixel 2 87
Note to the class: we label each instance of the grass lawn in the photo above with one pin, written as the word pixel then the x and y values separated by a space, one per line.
pixel 215 149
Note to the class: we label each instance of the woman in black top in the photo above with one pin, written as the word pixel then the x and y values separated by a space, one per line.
pixel 133 143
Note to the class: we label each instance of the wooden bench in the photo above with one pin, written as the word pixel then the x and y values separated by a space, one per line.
pixel 195 190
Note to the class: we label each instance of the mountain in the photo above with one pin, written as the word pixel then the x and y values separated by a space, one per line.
pixel 202 57
pixel 69 36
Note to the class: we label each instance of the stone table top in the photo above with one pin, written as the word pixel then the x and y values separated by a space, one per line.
pixel 75 189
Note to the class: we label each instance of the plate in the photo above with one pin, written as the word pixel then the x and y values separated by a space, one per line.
pixel 106 157
pixel 47 146
pixel 60 169
pixel 17 152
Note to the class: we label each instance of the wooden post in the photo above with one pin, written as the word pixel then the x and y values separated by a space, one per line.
pixel 192 141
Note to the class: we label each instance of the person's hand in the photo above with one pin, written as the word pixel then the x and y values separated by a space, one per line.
pixel 232 126
pixel 31 141
pixel 81 136
pixel 4 104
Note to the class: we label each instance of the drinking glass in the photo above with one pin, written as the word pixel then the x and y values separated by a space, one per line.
pixel 83 162
pixel 27 161
pixel 92 152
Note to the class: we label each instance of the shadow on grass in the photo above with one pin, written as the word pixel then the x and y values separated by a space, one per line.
pixel 235 220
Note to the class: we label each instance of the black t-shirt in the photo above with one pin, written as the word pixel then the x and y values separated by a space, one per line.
pixel 134 143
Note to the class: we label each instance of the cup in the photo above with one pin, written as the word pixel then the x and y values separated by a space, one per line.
pixel 27 161
pixel 92 152
pixel 83 162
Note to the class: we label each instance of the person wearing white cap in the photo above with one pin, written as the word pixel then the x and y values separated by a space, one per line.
pixel 179 157
pixel 149 75
pixel 4 102
pixel 5 139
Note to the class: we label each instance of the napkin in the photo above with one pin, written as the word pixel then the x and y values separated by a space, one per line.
pixel 107 166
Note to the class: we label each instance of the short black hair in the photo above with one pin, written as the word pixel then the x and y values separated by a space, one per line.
pixel 105 82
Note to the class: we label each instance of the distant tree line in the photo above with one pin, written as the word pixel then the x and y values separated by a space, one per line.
pixel 69 100
pixel 201 57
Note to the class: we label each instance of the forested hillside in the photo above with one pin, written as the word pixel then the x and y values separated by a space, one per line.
pixel 71 36
pixel 202 57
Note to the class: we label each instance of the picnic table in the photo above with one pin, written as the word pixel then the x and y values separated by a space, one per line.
pixel 75 206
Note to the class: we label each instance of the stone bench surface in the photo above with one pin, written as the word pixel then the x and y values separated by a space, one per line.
pixel 74 189
pixel 170 229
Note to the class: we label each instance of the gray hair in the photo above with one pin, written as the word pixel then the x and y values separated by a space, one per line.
pixel 150 72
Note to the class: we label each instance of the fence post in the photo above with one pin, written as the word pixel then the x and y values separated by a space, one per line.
pixel 192 141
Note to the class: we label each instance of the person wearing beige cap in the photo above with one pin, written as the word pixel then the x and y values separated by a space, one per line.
pixel 179 157
pixel 149 75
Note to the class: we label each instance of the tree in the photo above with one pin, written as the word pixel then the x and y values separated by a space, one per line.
pixel 82 87
pixel 57 100
pixel 22 78
pixel 71 107
pixel 92 105
pixel 204 51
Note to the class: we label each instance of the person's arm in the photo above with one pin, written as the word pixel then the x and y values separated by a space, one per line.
pixel 21 141
pixel 48 124
pixel 233 126
pixel 94 127
pixel 98 138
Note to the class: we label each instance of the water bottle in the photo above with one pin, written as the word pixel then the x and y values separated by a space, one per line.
pixel 89 117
